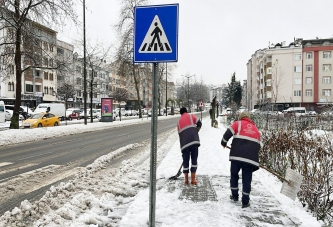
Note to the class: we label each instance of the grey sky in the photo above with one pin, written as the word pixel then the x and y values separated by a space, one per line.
pixel 218 37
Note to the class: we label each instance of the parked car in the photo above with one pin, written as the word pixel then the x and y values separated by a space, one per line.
pixel 254 111
pixel 73 113
pixel 312 113
pixel 22 111
pixel 41 120
pixel 55 108
pixel 327 113
pixel 168 110
pixel 176 111
pixel 131 113
pixel 9 115
pixel 94 113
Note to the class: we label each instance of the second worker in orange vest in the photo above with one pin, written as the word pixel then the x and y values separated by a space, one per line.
pixel 188 127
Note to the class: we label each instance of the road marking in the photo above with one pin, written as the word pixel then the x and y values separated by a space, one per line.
pixel 14 168
pixel 51 170
pixel 61 175
pixel 22 175
pixel 5 163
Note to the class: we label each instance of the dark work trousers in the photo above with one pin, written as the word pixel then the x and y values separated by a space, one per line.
pixel 246 179
pixel 190 152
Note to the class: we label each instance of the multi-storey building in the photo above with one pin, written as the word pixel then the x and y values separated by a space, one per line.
pixel 299 74
pixel 274 79
pixel 317 73
pixel 38 62
pixel 97 82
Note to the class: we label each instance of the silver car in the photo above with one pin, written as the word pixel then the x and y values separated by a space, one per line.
pixel 9 115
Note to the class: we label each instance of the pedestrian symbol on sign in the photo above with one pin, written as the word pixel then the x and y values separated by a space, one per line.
pixel 155 40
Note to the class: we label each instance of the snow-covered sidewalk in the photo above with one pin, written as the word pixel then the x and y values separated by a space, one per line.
pixel 208 204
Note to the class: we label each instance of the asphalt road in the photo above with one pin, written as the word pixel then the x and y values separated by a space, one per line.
pixel 32 167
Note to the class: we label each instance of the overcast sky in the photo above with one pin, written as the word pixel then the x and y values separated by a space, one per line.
pixel 217 38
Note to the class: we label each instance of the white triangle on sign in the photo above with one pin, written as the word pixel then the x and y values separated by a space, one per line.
pixel 155 40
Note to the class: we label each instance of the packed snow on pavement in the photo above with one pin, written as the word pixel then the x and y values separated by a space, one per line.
pixel 102 196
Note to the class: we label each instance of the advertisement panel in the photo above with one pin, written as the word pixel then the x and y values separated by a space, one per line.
pixel 107 104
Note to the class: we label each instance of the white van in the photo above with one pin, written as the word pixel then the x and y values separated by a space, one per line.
pixel 295 111
pixel 2 112
pixel 57 109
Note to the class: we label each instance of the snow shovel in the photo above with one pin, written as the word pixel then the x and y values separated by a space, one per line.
pixel 291 182
pixel 178 174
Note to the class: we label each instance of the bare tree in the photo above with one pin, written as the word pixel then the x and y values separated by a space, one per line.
pixel 125 28
pixel 277 80
pixel 120 94
pixel 23 20
pixel 66 91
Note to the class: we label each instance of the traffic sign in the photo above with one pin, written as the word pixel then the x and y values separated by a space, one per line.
pixel 156 33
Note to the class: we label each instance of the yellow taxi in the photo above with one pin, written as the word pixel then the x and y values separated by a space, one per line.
pixel 39 120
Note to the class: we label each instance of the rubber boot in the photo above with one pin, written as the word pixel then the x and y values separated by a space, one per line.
pixel 186 178
pixel 193 180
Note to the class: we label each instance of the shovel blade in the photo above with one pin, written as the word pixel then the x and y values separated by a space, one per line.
pixel 293 185
pixel 176 176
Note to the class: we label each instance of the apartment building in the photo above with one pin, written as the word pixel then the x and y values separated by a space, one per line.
pixel 39 76
pixel 317 73
pixel 274 77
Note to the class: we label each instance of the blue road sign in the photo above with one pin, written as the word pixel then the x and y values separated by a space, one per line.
pixel 156 33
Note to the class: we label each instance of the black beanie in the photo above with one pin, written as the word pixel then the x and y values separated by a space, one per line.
pixel 183 110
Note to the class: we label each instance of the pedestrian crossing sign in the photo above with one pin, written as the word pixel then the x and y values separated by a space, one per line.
pixel 155 40
pixel 156 33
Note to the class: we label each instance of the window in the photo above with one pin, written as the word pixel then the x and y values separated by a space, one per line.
pixel 308 55
pixel 326 92
pixel 46 90
pixel 269 82
pixel 60 51
pixel 11 86
pixel 11 69
pixel 10 33
pixel 308 68
pixel 298 81
pixel 46 61
pixel 308 92
pixel 326 67
pixel 326 80
pixel 46 46
pixel 78 69
pixel 327 54
pixel 51 47
pixel 46 75
pixel 51 76
pixel 297 68
pixel 309 80
pixel 268 94
pixel 297 56
pixel 29 88
pixel 78 81
pixel 297 93
pixel 269 70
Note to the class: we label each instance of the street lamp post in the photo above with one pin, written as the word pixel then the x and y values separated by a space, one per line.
pixel 188 91
pixel 84 64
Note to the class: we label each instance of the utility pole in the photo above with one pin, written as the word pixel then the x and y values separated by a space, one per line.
pixel 188 92
pixel 84 64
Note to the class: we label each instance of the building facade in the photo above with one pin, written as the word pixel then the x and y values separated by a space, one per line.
pixel 317 73
pixel 297 75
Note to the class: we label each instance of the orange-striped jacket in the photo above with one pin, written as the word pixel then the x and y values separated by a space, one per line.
pixel 187 126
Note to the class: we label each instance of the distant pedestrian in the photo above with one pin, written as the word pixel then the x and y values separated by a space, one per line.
pixel 244 154
pixel 188 127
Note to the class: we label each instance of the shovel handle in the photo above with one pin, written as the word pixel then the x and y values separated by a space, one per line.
pixel 275 174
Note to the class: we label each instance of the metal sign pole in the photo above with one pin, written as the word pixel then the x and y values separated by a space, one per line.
pixel 153 151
